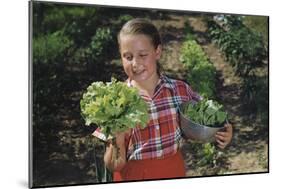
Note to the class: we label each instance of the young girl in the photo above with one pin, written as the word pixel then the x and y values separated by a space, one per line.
pixel 152 152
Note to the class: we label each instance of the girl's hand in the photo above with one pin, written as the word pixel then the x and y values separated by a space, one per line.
pixel 223 138
pixel 115 154
pixel 120 138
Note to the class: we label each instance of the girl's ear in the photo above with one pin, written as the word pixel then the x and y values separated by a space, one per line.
pixel 158 52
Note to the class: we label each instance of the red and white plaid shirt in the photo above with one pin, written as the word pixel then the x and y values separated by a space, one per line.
pixel 161 137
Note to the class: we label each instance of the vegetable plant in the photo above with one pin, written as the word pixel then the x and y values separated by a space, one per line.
pixel 201 73
pixel 113 106
pixel 247 53
pixel 205 112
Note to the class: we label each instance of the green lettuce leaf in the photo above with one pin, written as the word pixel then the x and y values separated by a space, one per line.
pixel 114 107
pixel 205 112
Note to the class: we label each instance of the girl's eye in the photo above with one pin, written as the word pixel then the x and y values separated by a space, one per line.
pixel 129 58
pixel 143 55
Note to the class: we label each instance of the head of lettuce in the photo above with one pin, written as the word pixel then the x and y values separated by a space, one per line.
pixel 114 107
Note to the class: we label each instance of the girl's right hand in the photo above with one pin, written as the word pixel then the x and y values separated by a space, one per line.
pixel 120 138
pixel 115 155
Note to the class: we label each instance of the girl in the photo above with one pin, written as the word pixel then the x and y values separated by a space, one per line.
pixel 152 152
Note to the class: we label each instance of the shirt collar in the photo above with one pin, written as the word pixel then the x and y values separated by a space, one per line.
pixel 164 81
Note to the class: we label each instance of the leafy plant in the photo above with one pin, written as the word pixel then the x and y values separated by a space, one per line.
pixel 243 47
pixel 205 112
pixel 123 19
pixel 258 24
pixel 207 154
pixel 246 51
pixel 49 47
pixel 113 106
pixel 100 42
pixel 201 73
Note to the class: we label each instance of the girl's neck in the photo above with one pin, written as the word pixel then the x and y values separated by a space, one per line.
pixel 147 86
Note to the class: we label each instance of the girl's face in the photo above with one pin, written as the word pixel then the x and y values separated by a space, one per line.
pixel 139 57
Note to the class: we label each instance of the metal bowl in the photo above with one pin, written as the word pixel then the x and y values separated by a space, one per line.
pixel 196 131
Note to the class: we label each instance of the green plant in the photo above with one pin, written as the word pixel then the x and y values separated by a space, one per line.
pixel 100 41
pixel 113 106
pixel 97 52
pixel 207 154
pixel 247 53
pixel 243 48
pixel 205 112
pixel 123 19
pixel 47 48
pixel 258 24
pixel 201 73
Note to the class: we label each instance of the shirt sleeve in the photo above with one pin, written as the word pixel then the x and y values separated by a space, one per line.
pixel 193 95
pixel 187 93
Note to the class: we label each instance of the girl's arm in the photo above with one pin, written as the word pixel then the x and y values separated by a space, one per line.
pixel 115 155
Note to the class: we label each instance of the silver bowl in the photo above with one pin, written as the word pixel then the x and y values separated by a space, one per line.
pixel 197 131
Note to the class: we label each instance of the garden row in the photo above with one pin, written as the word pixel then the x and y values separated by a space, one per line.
pixel 247 53
pixel 201 75
pixel 66 37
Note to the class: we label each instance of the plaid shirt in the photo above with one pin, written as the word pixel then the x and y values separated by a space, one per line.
pixel 161 137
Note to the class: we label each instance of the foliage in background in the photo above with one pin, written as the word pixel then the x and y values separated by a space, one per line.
pixel 248 54
pixel 258 24
pixel 242 47
pixel 47 48
pixel 201 73
pixel 207 158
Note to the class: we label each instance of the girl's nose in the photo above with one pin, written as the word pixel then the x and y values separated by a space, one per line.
pixel 134 63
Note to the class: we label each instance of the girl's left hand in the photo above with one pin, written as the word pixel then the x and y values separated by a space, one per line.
pixel 223 138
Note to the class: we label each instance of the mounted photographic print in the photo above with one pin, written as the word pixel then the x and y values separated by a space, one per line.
pixel 127 94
